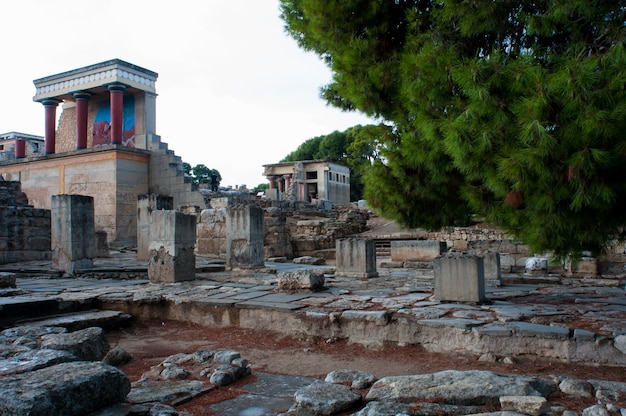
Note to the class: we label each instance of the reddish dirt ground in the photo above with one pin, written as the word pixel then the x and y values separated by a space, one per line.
pixel 149 342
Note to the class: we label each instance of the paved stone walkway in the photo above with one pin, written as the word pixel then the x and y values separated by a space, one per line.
pixel 582 323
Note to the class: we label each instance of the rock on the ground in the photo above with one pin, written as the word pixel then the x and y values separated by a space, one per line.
pixel 309 260
pixel 596 410
pixel 117 356
pixel 148 391
pixel 225 357
pixel 326 398
pixel 66 389
pixel 29 331
pixel 174 372
pixel 358 379
pixel 472 387
pixel 619 342
pixel 300 280
pixel 87 344
pixel 32 360
pixel 7 280
pixel 576 388
pixel 529 405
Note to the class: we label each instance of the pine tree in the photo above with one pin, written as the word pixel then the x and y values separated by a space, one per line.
pixel 513 111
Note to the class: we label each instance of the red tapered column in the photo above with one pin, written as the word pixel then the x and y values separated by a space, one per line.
pixel 117 106
pixel 82 107
pixel 20 149
pixel 50 107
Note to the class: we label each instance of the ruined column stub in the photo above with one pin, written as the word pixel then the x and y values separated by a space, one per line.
pixel 459 278
pixel 73 232
pixel 145 205
pixel 172 242
pixel 245 236
pixel 355 257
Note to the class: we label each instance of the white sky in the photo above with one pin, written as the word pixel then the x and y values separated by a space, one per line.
pixel 234 92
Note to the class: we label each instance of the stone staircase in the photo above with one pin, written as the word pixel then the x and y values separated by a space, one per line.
pixel 11 194
pixel 383 248
pixel 167 176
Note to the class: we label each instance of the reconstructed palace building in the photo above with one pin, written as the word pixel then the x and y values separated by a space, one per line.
pixel 104 146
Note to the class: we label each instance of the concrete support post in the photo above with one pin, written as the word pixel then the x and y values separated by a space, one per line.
pixel 245 236
pixel 116 92
pixel 459 278
pixel 355 257
pixel 73 232
pixel 50 131
pixel 82 107
pixel 146 204
pixel 172 243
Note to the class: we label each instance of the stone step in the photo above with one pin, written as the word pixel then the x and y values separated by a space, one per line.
pixel 106 319
pixel 15 308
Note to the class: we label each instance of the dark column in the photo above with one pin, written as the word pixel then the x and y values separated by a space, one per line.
pixel 82 106
pixel 117 106
pixel 20 149
pixel 50 107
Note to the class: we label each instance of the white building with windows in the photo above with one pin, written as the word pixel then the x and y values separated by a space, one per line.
pixel 309 180
pixel 14 145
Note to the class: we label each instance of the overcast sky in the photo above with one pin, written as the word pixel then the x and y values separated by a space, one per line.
pixel 234 92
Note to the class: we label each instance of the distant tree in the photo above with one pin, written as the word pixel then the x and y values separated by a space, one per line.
pixel 354 148
pixel 187 169
pixel 201 174
pixel 513 110
pixel 306 151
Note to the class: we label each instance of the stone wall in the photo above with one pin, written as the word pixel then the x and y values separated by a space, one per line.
pixel 291 229
pixel 24 234
pixel 24 230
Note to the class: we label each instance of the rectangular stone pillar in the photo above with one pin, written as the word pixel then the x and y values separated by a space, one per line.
pixel 172 241
pixel 459 278
pixel 145 205
pixel 355 257
pixel 493 270
pixel 73 232
pixel 245 236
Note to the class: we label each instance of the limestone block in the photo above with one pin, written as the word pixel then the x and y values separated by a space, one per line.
pixel 459 278
pixel 356 257
pixel 536 263
pixel 492 267
pixel 587 266
pixel 87 344
pixel 145 205
pixel 528 405
pixel 417 250
pixel 301 279
pixel 75 388
pixel 245 236
pixel 73 232
pixel 172 242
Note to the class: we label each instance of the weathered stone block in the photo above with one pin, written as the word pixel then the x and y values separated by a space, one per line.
pixel 245 236
pixel 75 388
pixel 356 257
pixel 172 241
pixel 145 205
pixel 493 270
pixel 301 279
pixel 459 278
pixel 417 250
pixel 73 232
